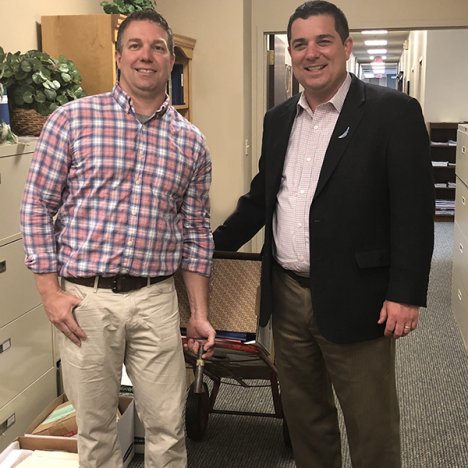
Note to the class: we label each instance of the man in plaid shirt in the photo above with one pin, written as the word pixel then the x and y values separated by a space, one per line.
pixel 116 201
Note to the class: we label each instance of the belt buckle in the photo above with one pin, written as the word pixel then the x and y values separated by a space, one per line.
pixel 121 284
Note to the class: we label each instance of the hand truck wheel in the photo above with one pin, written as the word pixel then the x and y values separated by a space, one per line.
pixel 197 410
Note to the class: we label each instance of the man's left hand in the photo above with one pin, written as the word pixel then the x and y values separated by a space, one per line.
pixel 200 333
pixel 399 319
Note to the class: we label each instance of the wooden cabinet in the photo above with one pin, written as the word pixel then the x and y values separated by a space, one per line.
pixel 26 350
pixel 443 137
pixel 460 250
pixel 89 40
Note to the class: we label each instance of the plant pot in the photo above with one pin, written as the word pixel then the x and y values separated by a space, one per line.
pixel 27 122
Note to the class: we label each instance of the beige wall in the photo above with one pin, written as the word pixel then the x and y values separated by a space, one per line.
pixel 18 29
pixel 446 91
pixel 220 88
pixel 273 14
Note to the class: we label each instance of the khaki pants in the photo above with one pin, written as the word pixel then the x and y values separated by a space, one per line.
pixel 140 329
pixel 310 367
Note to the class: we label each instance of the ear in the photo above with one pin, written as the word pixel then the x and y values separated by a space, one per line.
pixel 348 46
pixel 172 60
pixel 118 57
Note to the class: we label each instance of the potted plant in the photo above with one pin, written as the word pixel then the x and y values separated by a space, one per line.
pixel 37 84
pixel 125 7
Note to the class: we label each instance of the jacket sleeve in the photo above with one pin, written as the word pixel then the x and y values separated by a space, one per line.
pixel 411 192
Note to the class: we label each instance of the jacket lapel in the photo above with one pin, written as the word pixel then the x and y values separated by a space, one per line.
pixel 346 125
pixel 281 131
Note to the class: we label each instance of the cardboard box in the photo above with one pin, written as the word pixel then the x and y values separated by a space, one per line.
pixel 22 447
pixel 61 421
pixel 125 425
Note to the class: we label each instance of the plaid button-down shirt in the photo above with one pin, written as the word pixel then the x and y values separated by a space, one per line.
pixel 107 194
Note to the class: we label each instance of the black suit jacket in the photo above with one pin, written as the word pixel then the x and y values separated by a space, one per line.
pixel 371 219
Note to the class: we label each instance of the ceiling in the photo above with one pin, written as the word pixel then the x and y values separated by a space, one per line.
pixel 394 47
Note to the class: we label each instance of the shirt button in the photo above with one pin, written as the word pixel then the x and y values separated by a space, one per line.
pixel 299 224
pixel 302 192
pixel 308 159
pixel 130 242
pixel 316 127
pixel 301 258
pixel 134 211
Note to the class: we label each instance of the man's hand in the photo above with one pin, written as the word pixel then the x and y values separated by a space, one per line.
pixel 59 306
pixel 199 328
pixel 200 333
pixel 399 319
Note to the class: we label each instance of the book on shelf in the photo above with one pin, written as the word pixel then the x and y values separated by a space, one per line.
pixel 177 84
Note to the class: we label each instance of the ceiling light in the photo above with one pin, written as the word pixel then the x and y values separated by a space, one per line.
pixel 376 51
pixel 368 75
pixel 376 42
pixel 375 31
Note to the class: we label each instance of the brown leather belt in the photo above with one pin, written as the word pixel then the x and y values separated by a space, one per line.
pixel 118 283
pixel 304 281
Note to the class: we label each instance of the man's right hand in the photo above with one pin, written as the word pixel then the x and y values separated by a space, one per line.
pixel 59 306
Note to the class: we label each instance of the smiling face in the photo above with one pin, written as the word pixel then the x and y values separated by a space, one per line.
pixel 145 62
pixel 318 57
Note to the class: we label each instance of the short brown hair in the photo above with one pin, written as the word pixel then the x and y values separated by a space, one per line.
pixel 145 15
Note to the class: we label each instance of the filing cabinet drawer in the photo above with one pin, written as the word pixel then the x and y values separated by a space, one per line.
pixel 25 353
pixel 460 307
pixel 17 287
pixel 460 256
pixel 461 206
pixel 461 168
pixel 18 414
pixel 13 173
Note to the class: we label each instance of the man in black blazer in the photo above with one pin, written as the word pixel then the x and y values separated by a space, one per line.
pixel 346 195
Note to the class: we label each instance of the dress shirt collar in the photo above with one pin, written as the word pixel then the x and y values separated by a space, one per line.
pixel 125 102
pixel 337 101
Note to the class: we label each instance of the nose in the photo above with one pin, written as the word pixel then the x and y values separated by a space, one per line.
pixel 146 54
pixel 312 51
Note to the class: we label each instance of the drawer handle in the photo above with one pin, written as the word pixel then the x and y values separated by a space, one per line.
pixel 463 200
pixel 2 266
pixel 463 149
pixel 460 246
pixel 5 346
pixel 5 425
pixel 459 294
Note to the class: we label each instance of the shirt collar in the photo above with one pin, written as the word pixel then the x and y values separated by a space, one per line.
pixel 337 101
pixel 125 102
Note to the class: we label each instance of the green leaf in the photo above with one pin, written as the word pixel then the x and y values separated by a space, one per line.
pixel 50 94
pixel 26 66
pixel 38 78
pixel 40 96
pixel 66 77
pixel 28 97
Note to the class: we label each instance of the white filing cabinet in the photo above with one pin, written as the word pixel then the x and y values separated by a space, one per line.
pixel 28 379
pixel 460 253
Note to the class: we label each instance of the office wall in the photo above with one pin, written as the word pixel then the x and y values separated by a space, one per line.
pixel 273 14
pixel 220 88
pixel 18 30
pixel 446 91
